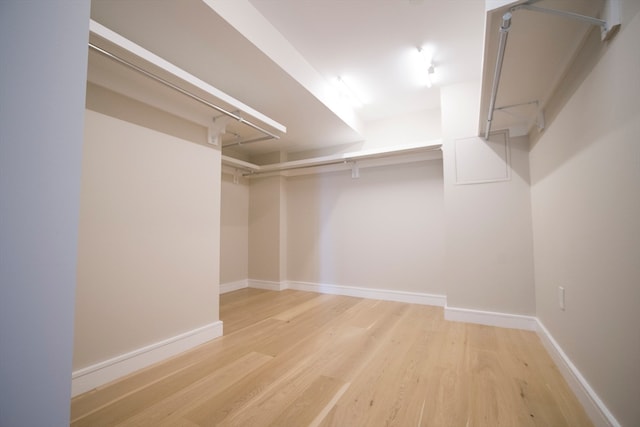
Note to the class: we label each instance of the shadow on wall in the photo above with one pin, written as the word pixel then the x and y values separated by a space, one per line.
pixel 593 102
pixel 109 103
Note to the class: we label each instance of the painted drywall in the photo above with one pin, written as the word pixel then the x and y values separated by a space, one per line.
pixel 43 46
pixel 489 246
pixel 148 261
pixel 266 232
pixel 384 230
pixel 234 230
pixel 585 171
pixel 410 128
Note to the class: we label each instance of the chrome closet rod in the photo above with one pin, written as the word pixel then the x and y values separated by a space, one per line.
pixel 328 162
pixel 504 32
pixel 183 91
pixel 246 141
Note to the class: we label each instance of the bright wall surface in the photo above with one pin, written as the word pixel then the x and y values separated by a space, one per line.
pixel 234 230
pixel 489 246
pixel 384 230
pixel 43 46
pixel 585 171
pixel 148 262
pixel 267 229
pixel 489 236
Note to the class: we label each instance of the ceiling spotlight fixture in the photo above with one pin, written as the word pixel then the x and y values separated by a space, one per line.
pixel 428 65
pixel 430 70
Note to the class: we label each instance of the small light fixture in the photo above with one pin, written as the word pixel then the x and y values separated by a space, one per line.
pixel 428 64
pixel 430 70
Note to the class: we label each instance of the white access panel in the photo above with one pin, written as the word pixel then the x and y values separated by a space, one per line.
pixel 479 161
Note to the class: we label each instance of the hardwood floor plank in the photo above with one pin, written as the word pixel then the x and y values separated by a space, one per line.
pixel 299 358
pixel 340 343
pixel 182 375
pixel 260 305
pixel 294 364
pixel 108 394
pixel 383 389
pixel 169 411
pixel 311 403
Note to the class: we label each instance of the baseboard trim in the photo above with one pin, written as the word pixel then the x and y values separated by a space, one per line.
pixel 88 378
pixel 267 285
pixel 490 318
pixel 379 294
pixel 593 405
pixel 233 286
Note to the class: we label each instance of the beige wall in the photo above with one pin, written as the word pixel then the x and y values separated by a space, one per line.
pixel 148 263
pixel 266 230
pixel 489 262
pixel 384 230
pixel 234 230
pixel 585 172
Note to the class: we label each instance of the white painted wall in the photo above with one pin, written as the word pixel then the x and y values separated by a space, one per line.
pixel 234 230
pixel 148 261
pixel 384 230
pixel 585 172
pixel 489 247
pixel 266 233
pixel 43 46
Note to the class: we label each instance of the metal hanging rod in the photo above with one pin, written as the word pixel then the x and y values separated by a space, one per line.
pixel 246 141
pixel 504 33
pixel 563 13
pixel 609 28
pixel 269 135
pixel 330 160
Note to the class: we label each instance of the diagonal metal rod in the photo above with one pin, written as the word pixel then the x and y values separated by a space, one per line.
pixel 566 14
pixel 269 135
pixel 504 33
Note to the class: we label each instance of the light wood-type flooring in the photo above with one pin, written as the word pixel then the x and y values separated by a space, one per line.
pixel 296 358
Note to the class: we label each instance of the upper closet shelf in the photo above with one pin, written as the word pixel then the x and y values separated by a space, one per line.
pixel 373 157
pixel 544 38
pixel 167 86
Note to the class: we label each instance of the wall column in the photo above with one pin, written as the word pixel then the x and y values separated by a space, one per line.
pixel 43 46
pixel 489 249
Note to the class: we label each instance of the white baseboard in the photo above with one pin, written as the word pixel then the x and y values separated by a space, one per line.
pixel 267 285
pixel 380 294
pixel 593 405
pixel 353 291
pixel 88 378
pixel 233 286
pixel 490 318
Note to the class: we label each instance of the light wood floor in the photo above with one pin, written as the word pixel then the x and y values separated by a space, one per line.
pixel 295 358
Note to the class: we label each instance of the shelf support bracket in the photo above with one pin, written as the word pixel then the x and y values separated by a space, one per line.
pixel 539 116
pixel 217 128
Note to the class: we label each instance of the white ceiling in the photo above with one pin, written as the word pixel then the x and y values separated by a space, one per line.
pixel 367 41
pixel 374 42
pixel 281 57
